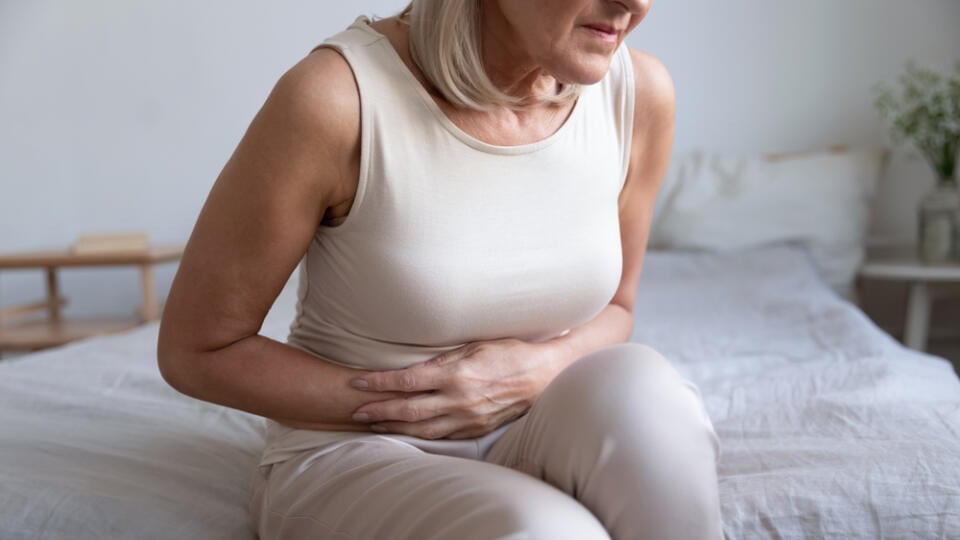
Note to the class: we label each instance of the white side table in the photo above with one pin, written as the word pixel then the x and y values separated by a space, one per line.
pixel 921 277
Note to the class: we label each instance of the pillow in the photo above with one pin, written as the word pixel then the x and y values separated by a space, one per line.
pixel 822 201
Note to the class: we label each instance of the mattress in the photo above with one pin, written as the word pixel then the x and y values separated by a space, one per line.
pixel 828 427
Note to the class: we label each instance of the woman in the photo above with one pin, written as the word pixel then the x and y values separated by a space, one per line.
pixel 468 189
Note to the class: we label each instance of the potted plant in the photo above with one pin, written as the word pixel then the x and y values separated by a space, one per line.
pixel 926 112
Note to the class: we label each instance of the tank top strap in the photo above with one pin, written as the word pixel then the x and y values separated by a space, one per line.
pixel 354 35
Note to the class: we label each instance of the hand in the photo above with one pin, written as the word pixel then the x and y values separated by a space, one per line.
pixel 464 393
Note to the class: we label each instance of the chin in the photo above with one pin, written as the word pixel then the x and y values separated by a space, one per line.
pixel 585 72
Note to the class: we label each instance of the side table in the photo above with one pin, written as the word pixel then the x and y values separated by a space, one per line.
pixel 33 334
pixel 923 279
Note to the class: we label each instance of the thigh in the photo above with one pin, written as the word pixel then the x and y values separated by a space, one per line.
pixel 373 488
pixel 622 432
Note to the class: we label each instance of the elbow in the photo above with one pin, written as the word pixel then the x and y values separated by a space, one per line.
pixel 174 363
pixel 170 371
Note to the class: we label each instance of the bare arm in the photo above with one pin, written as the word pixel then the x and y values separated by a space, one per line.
pixel 298 159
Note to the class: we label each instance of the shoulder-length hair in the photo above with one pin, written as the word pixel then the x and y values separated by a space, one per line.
pixel 445 43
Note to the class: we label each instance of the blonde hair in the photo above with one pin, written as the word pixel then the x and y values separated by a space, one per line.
pixel 445 43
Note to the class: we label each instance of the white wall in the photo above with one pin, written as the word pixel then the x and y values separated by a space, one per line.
pixel 118 115
pixel 756 75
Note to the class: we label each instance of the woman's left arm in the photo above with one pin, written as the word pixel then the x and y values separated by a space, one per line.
pixel 480 386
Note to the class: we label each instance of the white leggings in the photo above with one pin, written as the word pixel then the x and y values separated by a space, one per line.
pixel 617 446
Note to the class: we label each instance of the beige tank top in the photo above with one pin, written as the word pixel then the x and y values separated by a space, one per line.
pixel 452 240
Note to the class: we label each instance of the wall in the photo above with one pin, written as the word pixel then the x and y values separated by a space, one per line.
pixel 119 115
pixel 775 76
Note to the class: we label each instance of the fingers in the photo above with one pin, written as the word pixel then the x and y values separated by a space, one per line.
pixel 431 417
pixel 421 416
pixel 435 428
pixel 468 433
pixel 411 409
pixel 473 431
pixel 429 375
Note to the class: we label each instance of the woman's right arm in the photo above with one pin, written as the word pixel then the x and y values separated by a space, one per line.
pixel 298 158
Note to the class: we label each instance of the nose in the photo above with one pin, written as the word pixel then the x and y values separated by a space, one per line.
pixel 639 7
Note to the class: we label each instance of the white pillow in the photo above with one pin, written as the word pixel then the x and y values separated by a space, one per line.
pixel 725 203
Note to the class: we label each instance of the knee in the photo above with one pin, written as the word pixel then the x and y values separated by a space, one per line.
pixel 553 518
pixel 619 376
pixel 628 386
pixel 623 361
pixel 644 435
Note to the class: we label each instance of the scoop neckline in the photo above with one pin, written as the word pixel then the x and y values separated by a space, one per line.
pixel 364 23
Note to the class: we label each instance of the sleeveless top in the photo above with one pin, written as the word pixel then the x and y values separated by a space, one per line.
pixel 451 240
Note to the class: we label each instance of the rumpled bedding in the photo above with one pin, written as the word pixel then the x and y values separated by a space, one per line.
pixel 828 427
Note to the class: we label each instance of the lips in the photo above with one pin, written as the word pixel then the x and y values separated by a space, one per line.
pixel 605 28
pixel 605 32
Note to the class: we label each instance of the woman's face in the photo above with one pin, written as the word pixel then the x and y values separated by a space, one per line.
pixel 574 40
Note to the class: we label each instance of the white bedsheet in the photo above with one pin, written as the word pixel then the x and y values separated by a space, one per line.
pixel 828 427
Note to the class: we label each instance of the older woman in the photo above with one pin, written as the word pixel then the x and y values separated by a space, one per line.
pixel 467 188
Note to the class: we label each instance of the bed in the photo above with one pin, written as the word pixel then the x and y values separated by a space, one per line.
pixel 829 428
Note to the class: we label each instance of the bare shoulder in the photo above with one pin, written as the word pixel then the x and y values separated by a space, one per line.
pixel 653 126
pixel 321 91
pixel 318 101
pixel 655 95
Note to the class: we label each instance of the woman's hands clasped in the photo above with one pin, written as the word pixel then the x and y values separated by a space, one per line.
pixel 464 393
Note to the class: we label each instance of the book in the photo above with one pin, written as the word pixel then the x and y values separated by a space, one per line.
pixel 93 244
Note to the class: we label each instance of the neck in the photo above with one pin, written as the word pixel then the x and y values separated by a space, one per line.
pixel 510 67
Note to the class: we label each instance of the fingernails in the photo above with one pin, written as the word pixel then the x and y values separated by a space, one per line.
pixel 361 417
pixel 359 384
pixel 378 429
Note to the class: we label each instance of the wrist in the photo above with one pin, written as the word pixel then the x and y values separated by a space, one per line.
pixel 557 354
pixel 562 350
